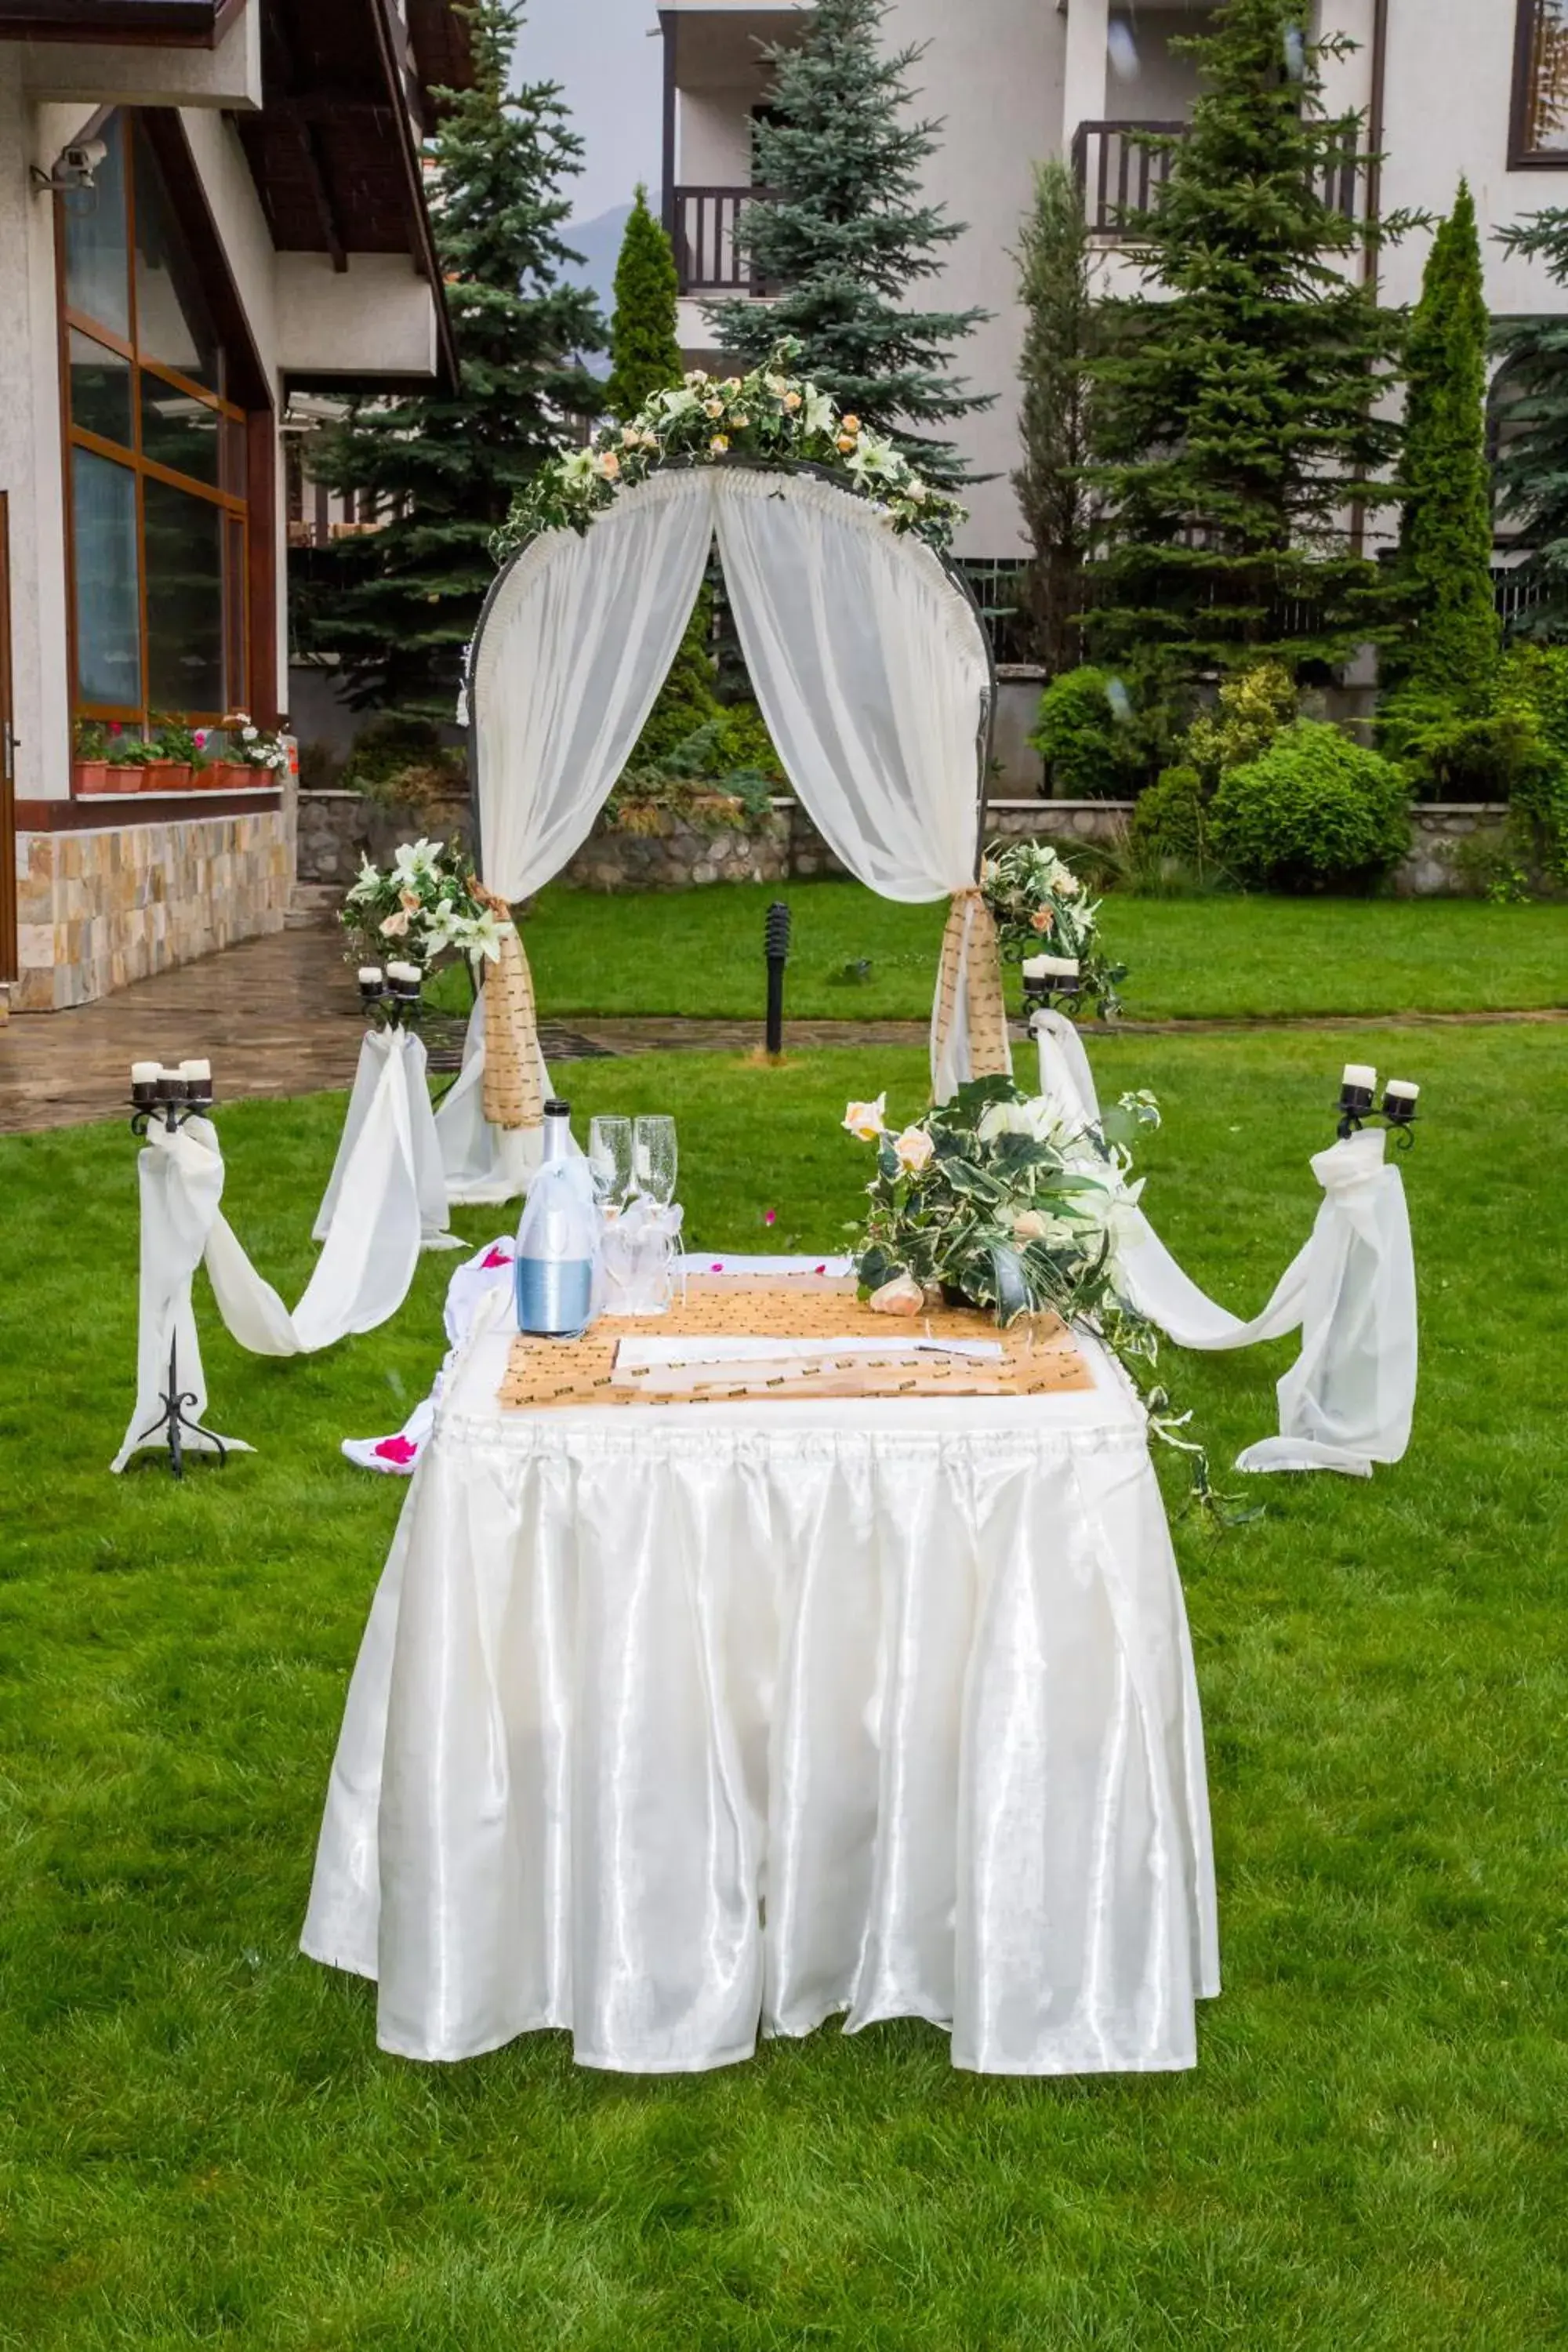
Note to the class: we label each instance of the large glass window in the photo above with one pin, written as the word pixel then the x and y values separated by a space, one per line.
pixel 159 521
pixel 1540 92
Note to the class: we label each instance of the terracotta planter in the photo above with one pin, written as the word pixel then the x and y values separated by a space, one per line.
pixel 232 776
pixel 126 779
pixel 94 776
pixel 166 776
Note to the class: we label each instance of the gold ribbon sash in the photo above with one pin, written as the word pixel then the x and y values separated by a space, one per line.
pixel 972 967
pixel 514 1096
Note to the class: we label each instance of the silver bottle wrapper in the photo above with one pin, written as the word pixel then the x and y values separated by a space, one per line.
pixel 554 1295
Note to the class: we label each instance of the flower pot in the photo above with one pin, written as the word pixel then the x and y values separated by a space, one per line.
pixel 95 776
pixel 230 776
pixel 165 776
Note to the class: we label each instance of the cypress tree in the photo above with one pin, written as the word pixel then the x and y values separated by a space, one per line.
pixel 1443 570
pixel 1236 416
pixel 400 604
pixel 1533 463
pixel 1053 286
pixel 849 237
pixel 644 347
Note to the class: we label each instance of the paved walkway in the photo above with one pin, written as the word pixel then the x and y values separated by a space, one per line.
pixel 281 1016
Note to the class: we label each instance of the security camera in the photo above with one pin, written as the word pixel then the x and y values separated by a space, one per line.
pixel 73 167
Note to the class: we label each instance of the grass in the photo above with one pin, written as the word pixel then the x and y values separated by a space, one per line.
pixel 199 2143
pixel 700 953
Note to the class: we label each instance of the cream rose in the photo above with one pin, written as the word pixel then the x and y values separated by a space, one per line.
pixel 902 1295
pixel 395 927
pixel 867 1121
pixel 915 1149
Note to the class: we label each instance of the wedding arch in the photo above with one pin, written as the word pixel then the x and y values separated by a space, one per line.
pixel 871 668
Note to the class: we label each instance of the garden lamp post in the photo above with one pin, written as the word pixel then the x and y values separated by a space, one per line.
pixel 777 930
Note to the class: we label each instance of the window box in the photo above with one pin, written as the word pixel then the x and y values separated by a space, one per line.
pixel 165 776
pixel 96 776
pixel 231 776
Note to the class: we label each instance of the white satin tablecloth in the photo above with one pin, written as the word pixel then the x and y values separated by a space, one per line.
pixel 674 1725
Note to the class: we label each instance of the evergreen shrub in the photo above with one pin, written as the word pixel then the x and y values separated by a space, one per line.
pixel 1316 812
pixel 1171 820
pixel 1086 736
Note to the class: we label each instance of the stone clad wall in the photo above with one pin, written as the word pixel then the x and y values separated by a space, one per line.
pixel 337 828
pixel 97 908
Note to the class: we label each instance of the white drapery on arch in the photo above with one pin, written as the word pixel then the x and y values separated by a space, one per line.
pixel 869 666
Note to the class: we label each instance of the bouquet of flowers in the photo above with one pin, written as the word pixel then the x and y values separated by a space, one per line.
pixel 424 904
pixel 1040 908
pixel 1000 1200
pixel 769 415
pixel 997 1197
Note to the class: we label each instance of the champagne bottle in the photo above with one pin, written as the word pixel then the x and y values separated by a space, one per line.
pixel 558 1238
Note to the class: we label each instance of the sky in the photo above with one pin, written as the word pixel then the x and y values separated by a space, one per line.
pixel 613 75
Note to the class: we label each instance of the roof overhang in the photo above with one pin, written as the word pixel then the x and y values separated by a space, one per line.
pixel 169 24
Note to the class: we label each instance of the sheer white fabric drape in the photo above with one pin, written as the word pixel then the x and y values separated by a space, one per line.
pixel 870 668
pixel 1349 1398
pixel 569 664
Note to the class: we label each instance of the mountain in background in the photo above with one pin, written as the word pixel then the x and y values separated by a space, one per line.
pixel 599 243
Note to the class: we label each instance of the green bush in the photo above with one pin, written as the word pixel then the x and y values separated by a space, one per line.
pixel 1254 705
pixel 1316 812
pixel 1086 735
pixel 1171 820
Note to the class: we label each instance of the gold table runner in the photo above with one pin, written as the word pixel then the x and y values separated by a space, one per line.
pixel 1039 1358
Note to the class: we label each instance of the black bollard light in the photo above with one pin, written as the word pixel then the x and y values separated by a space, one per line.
pixel 777 944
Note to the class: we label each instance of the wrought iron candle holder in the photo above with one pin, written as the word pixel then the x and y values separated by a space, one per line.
pixel 1051 983
pixel 394 998
pixel 775 942
pixel 167 1099
pixel 1358 1104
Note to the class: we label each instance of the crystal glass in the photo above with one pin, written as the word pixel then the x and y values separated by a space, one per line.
pixel 656 1161
pixel 610 1160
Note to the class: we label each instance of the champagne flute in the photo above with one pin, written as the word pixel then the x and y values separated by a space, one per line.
pixel 656 1160
pixel 610 1160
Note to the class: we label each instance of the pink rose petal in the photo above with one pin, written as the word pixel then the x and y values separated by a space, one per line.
pixel 497 1256
pixel 397 1449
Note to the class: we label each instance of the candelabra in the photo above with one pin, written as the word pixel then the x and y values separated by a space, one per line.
pixel 394 997
pixel 1358 1104
pixel 1050 980
pixel 776 935
pixel 167 1099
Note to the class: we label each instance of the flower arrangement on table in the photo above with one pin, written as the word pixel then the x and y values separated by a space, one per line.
pixel 996 1201
pixel 425 904
pixel 769 415
pixel 1040 908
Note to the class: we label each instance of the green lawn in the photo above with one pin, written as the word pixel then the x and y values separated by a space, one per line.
pixel 699 952
pixel 199 2143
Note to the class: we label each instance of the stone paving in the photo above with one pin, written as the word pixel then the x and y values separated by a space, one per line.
pixel 281 1016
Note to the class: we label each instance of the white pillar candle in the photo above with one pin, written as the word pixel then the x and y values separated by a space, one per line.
pixel 402 971
pixel 369 975
pixel 1045 967
pixel 1403 1090
pixel 1362 1076
pixel 195 1069
pixel 145 1073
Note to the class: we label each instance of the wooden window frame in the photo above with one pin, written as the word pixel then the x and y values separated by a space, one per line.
pixel 1522 158
pixel 253 582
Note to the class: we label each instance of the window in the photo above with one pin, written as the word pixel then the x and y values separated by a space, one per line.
pixel 156 454
pixel 1541 85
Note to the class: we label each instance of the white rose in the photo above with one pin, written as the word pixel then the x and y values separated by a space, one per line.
pixel 1037 1118
pixel 914 1148
pixel 902 1295
pixel 867 1121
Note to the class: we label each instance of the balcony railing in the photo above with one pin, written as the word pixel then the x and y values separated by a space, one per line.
pixel 708 255
pixel 1121 176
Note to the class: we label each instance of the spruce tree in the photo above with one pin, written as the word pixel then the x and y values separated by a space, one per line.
pixel 1533 462
pixel 1452 639
pixel 403 601
pixel 1052 287
pixel 1236 412
pixel 644 347
pixel 849 237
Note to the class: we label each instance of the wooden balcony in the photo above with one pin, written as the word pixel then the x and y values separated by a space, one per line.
pixel 1121 176
pixel 708 256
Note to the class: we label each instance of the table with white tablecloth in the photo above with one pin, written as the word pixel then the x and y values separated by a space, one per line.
pixel 673 1725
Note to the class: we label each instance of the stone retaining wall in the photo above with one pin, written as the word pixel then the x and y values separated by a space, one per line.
pixel 336 829
pixel 99 906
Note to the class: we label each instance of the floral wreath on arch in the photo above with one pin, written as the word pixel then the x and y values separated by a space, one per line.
pixel 771 415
